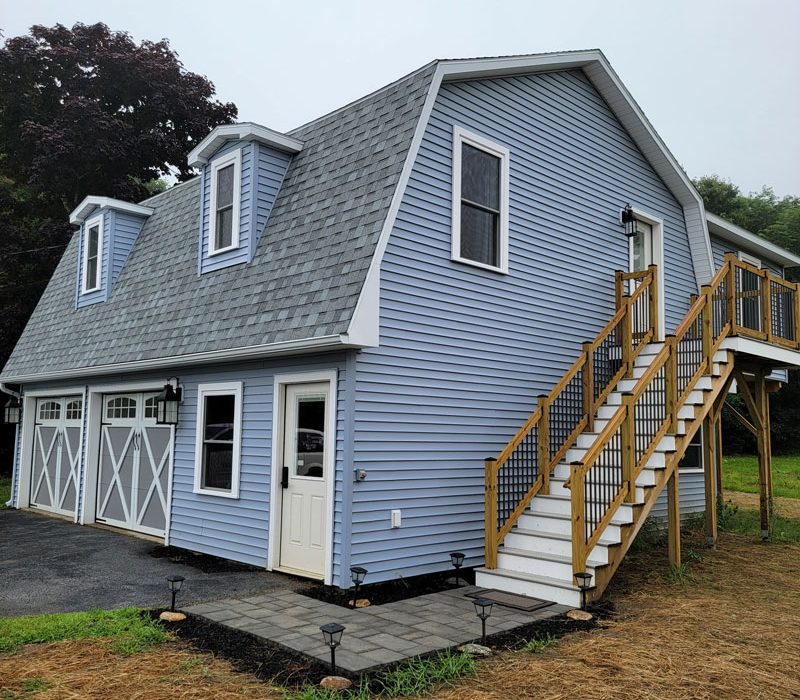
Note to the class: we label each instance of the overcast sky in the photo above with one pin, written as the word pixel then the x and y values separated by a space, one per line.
pixel 719 79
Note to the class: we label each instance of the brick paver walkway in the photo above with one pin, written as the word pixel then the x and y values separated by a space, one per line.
pixel 374 635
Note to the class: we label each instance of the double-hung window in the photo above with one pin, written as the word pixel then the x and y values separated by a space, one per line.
pixel 226 175
pixel 92 255
pixel 218 446
pixel 480 201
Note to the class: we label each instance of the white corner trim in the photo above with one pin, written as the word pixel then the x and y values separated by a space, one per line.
pixel 90 203
pixel 219 389
pixel 462 136
pixel 98 221
pixel 233 158
pixel 245 131
pixel 280 382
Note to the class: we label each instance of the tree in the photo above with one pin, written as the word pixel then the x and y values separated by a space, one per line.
pixel 84 111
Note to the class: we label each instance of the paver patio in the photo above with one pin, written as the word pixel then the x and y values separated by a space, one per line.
pixel 374 635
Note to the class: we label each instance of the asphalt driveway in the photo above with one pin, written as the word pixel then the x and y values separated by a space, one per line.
pixel 49 565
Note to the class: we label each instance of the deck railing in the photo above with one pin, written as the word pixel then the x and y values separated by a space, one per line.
pixel 741 300
pixel 524 467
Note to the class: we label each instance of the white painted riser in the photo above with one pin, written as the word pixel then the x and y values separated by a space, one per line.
pixel 586 440
pixel 638 370
pixel 555 505
pixel 527 564
pixel 531 542
pixel 605 413
pixel 495 579
pixel 559 525
pixel 556 484
pixel 646 476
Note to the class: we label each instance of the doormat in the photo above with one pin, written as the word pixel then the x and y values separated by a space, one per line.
pixel 510 600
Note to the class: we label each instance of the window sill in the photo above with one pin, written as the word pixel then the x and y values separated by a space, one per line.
pixel 214 492
pixel 482 266
pixel 220 251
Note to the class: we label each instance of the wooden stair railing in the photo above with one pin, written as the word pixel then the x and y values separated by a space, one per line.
pixel 525 465
pixel 741 299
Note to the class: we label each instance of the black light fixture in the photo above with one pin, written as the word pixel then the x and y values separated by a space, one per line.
pixel 483 609
pixel 12 411
pixel 629 221
pixel 584 580
pixel 167 404
pixel 175 583
pixel 332 634
pixel 457 560
pixel 357 574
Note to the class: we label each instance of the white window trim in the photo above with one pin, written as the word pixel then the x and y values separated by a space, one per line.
pixel 218 389
pixel 461 136
pixel 91 223
pixel 234 157
pixel 749 259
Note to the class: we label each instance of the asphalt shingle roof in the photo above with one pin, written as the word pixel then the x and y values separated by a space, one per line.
pixel 305 277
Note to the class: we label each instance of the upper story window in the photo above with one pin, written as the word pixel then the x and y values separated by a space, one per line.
pixel 225 202
pixel 92 255
pixel 480 202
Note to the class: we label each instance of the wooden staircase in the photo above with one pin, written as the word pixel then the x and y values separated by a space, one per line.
pixel 571 490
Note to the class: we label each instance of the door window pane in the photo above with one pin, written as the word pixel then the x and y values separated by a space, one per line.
pixel 310 436
pixel 218 422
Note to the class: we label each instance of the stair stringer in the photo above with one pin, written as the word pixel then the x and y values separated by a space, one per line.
pixel 616 553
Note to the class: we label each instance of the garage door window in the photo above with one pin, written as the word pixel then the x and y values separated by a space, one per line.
pixel 218 439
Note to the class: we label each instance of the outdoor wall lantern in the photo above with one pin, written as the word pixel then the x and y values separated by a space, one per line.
pixel 457 560
pixel 483 609
pixel 167 404
pixel 332 634
pixel 357 574
pixel 584 580
pixel 12 411
pixel 175 583
pixel 629 221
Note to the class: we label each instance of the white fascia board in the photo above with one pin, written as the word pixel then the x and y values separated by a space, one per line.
pixel 90 203
pixel 742 237
pixel 252 352
pixel 246 131
pixel 782 357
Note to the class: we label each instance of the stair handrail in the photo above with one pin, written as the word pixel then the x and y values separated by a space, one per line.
pixel 699 335
pixel 533 453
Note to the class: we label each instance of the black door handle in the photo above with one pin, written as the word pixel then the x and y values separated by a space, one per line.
pixel 285 478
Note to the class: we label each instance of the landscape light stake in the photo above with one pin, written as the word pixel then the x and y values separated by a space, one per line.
pixel 332 634
pixel 457 560
pixel 483 609
pixel 357 574
pixel 584 580
pixel 175 583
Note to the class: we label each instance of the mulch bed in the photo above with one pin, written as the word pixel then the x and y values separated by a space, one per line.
pixel 206 563
pixel 389 591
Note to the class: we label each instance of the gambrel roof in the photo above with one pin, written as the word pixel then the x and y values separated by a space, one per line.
pixel 313 281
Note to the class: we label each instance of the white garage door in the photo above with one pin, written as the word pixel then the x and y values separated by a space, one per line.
pixel 134 469
pixel 56 454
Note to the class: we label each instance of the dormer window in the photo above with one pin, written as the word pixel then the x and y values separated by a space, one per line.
pixel 92 255
pixel 225 203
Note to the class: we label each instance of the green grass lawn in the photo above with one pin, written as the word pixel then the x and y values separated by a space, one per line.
pixel 130 630
pixel 5 490
pixel 741 474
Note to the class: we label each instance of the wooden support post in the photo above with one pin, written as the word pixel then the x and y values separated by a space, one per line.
pixel 543 455
pixel 730 260
pixel 706 329
pixel 764 457
pixel 491 513
pixel 627 338
pixel 710 473
pixel 578 501
pixel 766 304
pixel 674 518
pixel 628 442
pixel 796 310
pixel 588 386
pixel 619 289
pixel 671 383
pixel 718 451
pixel 654 320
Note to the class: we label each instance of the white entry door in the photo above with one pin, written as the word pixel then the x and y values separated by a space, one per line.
pixel 134 468
pixel 56 454
pixel 305 475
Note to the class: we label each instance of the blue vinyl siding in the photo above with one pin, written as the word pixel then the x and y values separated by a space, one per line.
pixel 271 167
pixel 692 488
pixel 464 352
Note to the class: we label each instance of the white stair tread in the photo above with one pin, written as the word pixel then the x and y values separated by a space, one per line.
pixel 604 540
pixel 533 578
pixel 547 556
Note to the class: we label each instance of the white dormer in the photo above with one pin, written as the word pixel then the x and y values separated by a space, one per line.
pixel 109 228
pixel 242 168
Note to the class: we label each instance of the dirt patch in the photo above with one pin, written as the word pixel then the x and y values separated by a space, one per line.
pixel 729 632
pixel 206 563
pixel 390 591
pixel 91 670
pixel 786 507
